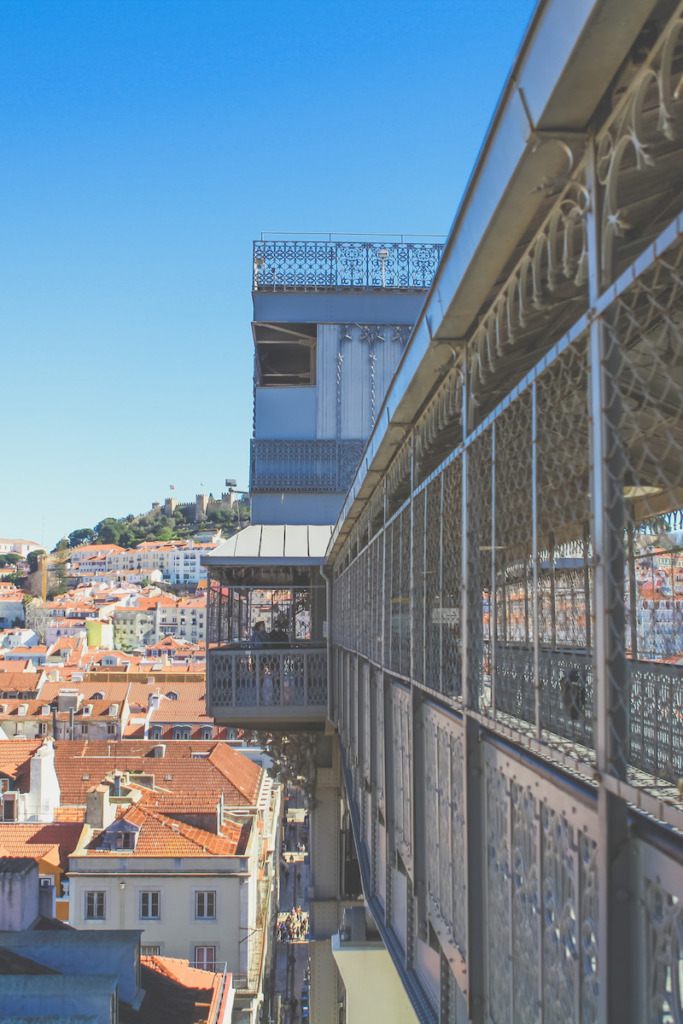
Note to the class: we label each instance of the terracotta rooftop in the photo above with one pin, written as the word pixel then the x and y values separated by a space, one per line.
pixel 181 711
pixel 162 836
pixel 52 842
pixel 186 689
pixel 113 692
pixel 14 755
pixel 180 971
pixel 179 803
pixel 13 680
pixel 226 772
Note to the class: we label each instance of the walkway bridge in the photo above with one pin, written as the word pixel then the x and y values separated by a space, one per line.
pixel 507 671
pixel 506 617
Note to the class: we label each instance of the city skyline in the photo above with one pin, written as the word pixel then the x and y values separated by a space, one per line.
pixel 147 150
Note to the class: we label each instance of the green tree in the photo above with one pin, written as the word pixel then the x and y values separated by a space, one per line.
pixel 108 531
pixel 11 558
pixel 83 536
pixel 32 559
pixel 60 573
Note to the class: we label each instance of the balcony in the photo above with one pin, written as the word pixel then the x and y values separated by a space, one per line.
pixel 324 467
pixel 329 265
pixel 267 688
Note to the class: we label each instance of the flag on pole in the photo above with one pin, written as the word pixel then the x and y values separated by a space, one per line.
pixel 172 487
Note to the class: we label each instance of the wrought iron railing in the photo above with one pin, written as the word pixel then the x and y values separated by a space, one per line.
pixel 322 466
pixel 330 265
pixel 275 682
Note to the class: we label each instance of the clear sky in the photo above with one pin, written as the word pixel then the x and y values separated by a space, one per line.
pixel 146 143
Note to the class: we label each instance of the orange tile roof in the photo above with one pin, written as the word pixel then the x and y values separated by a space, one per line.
pixel 181 972
pixel 224 772
pixel 70 814
pixel 99 547
pixel 181 711
pixel 244 774
pixel 33 707
pixel 169 642
pixel 179 803
pixel 161 836
pixel 186 690
pixel 14 755
pixel 52 842
pixel 13 680
pixel 114 693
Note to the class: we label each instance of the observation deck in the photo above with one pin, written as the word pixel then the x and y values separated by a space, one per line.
pixel 266 651
pixel 326 264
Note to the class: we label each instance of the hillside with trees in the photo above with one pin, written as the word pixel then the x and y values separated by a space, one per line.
pixel 132 530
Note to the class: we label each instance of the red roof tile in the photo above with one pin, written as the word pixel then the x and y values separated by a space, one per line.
pixel 161 836
pixel 181 972
pixel 244 774
pixel 224 772
pixel 52 842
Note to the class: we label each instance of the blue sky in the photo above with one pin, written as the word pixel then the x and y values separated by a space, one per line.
pixel 146 144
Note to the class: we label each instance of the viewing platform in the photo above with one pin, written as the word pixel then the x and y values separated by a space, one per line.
pixel 266 665
pixel 267 688
pixel 325 264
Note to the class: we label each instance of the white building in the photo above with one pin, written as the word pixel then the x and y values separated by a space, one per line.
pixel 11 607
pixel 18 546
pixel 185 620
pixel 184 564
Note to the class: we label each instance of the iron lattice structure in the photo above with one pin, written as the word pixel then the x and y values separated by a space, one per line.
pixel 321 466
pixel 507 623
pixel 334 265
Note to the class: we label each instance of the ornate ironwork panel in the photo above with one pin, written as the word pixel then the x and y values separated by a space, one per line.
pixel 388 578
pixel 404 616
pixel 267 679
pixel 321 266
pixel 657 719
pixel 321 466
pixel 542 899
pixel 376 597
pixel 432 585
pixel 479 511
pixel 445 823
pixel 402 735
pixel 661 897
pixel 417 617
pixel 450 604
pixel 567 695
pixel 377 697
pixel 498 879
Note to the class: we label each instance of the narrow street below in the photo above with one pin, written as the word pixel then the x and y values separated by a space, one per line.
pixel 291 939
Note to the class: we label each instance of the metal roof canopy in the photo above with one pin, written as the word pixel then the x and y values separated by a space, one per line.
pixel 273 544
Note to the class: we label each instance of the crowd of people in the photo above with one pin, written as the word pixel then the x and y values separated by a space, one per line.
pixel 292 927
